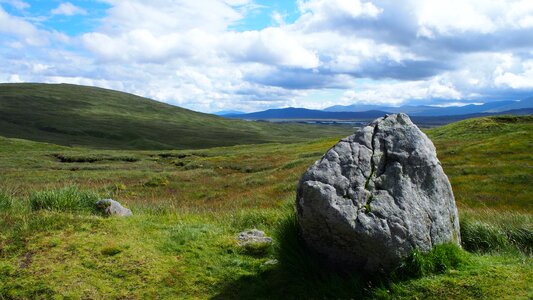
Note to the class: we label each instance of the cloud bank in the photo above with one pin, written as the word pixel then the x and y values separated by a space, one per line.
pixel 335 52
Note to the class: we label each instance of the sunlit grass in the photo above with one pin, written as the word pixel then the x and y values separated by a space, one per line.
pixel 181 240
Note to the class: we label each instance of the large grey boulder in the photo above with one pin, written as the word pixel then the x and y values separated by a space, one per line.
pixel 376 196
pixel 110 207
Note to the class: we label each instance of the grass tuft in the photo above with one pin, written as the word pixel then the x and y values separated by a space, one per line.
pixel 304 271
pixel 69 199
pixel 440 259
pixel 254 218
pixel 111 250
pixel 485 237
pixel 257 248
pixel 6 201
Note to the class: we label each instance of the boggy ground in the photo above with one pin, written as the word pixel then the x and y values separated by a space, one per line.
pixel 189 205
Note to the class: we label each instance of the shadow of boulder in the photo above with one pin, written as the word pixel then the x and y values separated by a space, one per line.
pixel 299 274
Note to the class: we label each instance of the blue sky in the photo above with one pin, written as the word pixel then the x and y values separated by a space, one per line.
pixel 211 55
pixel 42 15
pixel 260 15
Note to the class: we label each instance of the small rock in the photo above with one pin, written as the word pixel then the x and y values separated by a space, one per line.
pixel 254 241
pixel 110 207
pixel 253 236
pixel 270 262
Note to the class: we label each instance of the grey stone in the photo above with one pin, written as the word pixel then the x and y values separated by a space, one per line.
pixel 254 242
pixel 270 263
pixel 110 207
pixel 253 236
pixel 376 196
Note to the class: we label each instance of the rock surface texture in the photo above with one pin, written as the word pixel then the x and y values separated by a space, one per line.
pixel 110 207
pixel 376 196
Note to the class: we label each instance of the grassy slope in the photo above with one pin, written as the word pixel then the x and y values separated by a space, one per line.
pixel 86 116
pixel 489 160
pixel 189 205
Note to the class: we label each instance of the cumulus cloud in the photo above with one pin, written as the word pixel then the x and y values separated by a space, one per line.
pixel 18 4
pixel 25 32
pixel 397 93
pixel 271 46
pixel 519 77
pixel 142 45
pixel 278 18
pixel 368 51
pixel 163 16
pixel 328 14
pixel 68 9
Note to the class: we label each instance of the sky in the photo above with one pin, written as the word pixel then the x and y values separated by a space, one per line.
pixel 251 55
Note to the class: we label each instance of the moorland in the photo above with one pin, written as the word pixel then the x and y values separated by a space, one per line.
pixel 190 202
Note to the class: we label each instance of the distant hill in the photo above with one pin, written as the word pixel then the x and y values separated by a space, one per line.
pixel 71 115
pixel 303 113
pixel 228 112
pixel 424 110
pixel 441 120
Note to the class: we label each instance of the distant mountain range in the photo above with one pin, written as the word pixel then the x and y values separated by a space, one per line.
pixel 355 111
pixel 424 110
pixel 304 113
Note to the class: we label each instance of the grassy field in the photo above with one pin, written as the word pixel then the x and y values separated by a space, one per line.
pixel 190 204
pixel 74 115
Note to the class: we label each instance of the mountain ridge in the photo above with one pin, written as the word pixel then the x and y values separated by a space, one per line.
pixel 301 114
pixel 304 113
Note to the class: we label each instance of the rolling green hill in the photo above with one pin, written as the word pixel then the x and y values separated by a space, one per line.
pixel 489 160
pixel 75 115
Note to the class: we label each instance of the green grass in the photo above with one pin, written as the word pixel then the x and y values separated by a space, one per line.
pixel 74 115
pixel 486 231
pixel 439 260
pixel 181 240
pixel 65 199
pixel 489 161
pixel 6 201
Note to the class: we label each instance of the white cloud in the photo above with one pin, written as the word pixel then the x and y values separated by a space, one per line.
pixel 272 46
pixel 326 9
pixel 167 16
pixel 14 78
pixel 141 45
pixel 278 18
pixel 68 9
pixel 522 78
pixel 448 104
pixel 162 36
pixel 318 15
pixel 26 32
pixel 397 93
pixel 519 14
pixel 18 4
pixel 449 17
pixel 377 51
